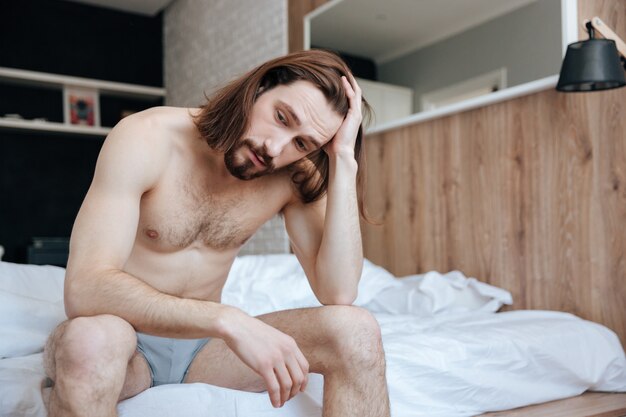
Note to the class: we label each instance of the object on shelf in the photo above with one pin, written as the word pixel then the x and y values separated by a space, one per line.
pixel 81 106
pixel 49 251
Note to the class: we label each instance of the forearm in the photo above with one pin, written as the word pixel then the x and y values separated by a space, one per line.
pixel 145 308
pixel 340 258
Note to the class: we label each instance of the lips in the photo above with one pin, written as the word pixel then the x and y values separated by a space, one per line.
pixel 256 159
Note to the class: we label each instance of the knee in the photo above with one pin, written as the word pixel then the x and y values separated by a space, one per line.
pixel 88 343
pixel 356 337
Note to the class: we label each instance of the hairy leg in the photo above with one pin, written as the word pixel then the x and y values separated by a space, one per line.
pixel 93 364
pixel 342 343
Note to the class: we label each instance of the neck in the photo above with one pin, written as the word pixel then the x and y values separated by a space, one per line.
pixel 218 167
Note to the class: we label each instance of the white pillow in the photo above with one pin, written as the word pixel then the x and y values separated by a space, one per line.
pixel 44 282
pixel 31 306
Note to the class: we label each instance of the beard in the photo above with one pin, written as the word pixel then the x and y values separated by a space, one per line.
pixel 243 168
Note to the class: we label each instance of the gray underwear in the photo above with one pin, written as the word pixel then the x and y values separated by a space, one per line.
pixel 168 359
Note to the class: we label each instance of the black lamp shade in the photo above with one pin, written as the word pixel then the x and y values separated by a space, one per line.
pixel 591 65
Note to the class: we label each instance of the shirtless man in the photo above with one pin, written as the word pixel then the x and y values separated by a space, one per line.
pixel 176 192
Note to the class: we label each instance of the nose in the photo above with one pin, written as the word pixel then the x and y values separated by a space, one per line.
pixel 275 145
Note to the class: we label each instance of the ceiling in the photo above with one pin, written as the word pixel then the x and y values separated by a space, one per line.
pixel 384 30
pixel 144 7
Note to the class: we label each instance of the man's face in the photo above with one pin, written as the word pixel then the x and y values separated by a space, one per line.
pixel 287 123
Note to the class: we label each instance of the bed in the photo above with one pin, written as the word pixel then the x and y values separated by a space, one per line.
pixel 449 352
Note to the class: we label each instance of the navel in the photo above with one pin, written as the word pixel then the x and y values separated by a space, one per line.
pixel 152 234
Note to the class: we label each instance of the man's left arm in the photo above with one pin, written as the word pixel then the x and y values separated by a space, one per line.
pixel 326 235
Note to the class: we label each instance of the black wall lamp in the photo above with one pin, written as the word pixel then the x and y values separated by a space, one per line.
pixel 594 64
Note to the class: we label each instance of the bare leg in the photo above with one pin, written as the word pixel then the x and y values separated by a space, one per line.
pixel 93 363
pixel 340 342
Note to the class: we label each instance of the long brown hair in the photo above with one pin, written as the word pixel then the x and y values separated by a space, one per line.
pixel 225 117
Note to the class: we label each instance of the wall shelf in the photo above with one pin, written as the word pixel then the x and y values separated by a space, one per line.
pixel 65 84
pixel 43 79
pixel 32 125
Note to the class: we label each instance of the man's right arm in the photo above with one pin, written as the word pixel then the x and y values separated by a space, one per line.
pixel 130 163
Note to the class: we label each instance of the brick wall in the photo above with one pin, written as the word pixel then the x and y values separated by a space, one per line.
pixel 209 42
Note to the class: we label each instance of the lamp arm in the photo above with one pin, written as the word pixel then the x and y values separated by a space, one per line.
pixel 608 33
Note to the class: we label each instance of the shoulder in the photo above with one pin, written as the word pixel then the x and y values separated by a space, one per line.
pixel 143 143
pixel 306 184
pixel 161 120
pixel 295 200
pixel 154 131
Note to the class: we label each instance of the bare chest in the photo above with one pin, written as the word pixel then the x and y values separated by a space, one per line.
pixel 181 214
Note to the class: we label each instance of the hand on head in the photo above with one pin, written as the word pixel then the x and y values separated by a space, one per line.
pixel 345 138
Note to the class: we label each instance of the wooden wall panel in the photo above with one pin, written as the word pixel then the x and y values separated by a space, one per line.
pixel 528 194
pixel 296 10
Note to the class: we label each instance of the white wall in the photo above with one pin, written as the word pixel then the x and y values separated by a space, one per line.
pixel 209 42
pixel 527 42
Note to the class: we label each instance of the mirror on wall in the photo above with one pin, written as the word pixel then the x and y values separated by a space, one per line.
pixel 413 56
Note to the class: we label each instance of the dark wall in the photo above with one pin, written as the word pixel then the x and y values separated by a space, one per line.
pixel 361 67
pixel 43 180
pixel 69 38
pixel 44 176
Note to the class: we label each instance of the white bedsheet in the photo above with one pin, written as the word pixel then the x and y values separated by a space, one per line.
pixel 447 353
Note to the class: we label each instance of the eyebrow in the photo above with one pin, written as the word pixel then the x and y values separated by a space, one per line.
pixel 295 117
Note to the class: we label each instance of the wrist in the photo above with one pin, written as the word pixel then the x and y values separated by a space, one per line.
pixel 227 322
pixel 341 152
pixel 344 158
